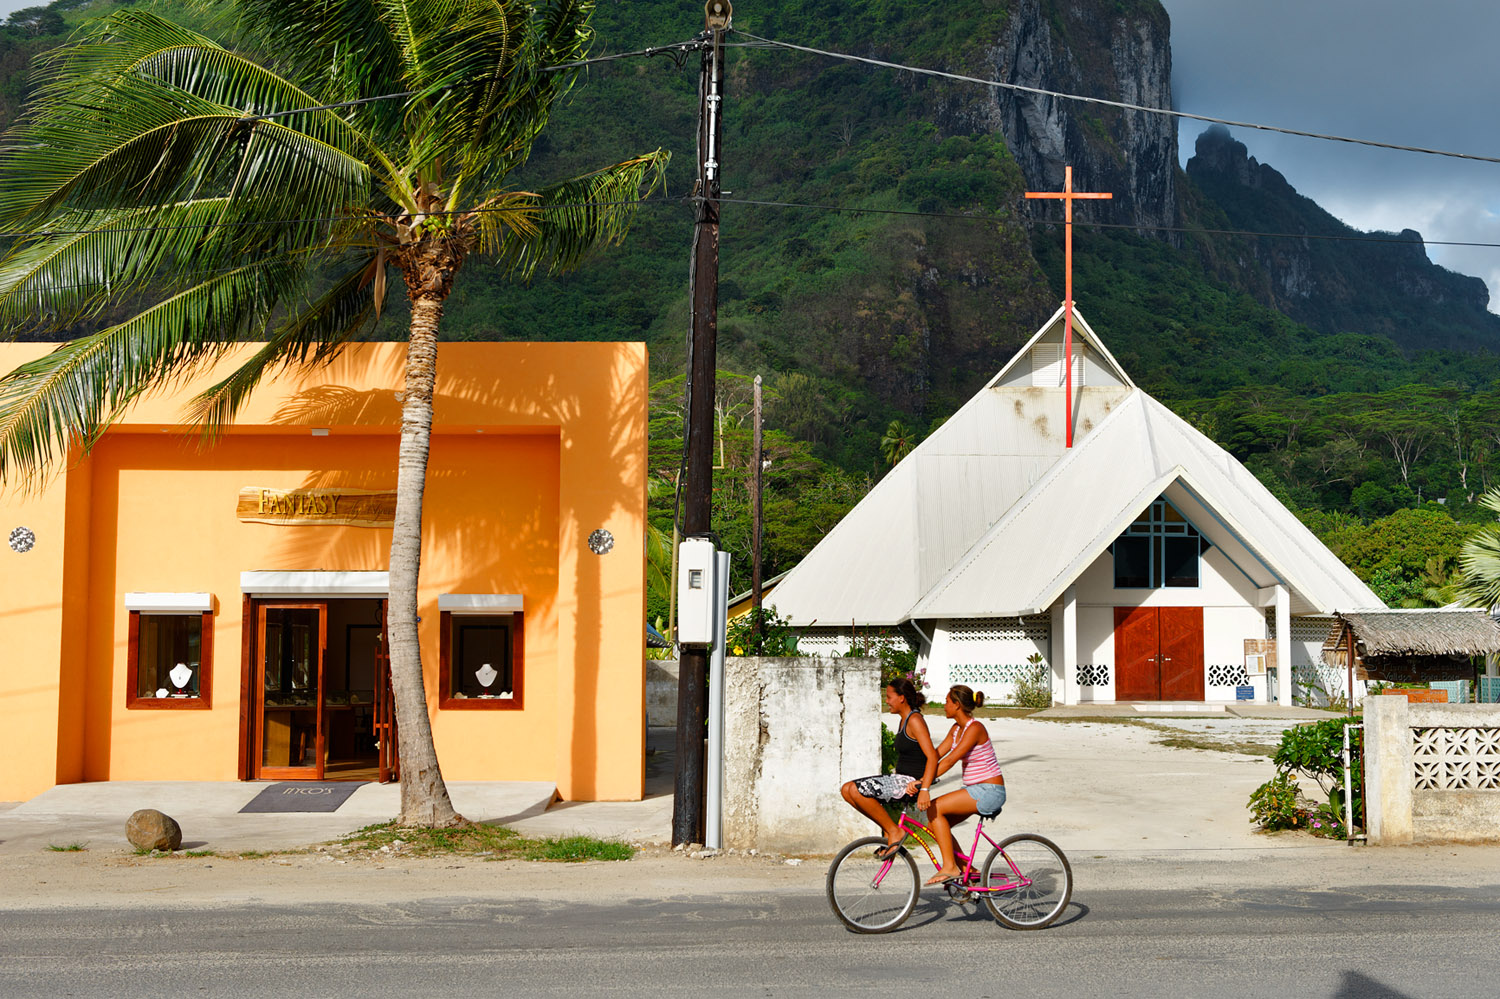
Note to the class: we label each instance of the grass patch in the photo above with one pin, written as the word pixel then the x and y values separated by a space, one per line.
pixel 198 853
pixel 932 709
pixel 1184 740
pixel 67 847
pixel 479 840
pixel 1176 738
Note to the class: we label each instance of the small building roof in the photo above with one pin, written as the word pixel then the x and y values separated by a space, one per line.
pixel 1446 631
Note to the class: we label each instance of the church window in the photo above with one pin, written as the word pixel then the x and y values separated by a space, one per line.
pixel 1159 549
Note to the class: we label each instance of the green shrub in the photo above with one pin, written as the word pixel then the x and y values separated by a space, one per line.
pixel 776 636
pixel 887 749
pixel 1277 804
pixel 897 658
pixel 1314 751
pixel 1034 689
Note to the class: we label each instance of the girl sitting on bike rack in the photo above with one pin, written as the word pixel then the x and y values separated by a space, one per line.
pixel 984 786
pixel 916 763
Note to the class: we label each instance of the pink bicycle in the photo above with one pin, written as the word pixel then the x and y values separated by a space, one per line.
pixel 1025 882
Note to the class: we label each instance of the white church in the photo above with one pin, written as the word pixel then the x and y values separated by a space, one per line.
pixel 1143 563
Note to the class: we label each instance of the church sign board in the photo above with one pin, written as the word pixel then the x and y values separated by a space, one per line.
pixel 316 507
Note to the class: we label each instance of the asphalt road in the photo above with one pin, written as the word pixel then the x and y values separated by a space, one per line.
pixel 1375 942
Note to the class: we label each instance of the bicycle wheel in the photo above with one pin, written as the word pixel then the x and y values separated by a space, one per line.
pixel 1030 882
pixel 870 895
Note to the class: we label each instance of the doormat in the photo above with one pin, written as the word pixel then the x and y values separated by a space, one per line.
pixel 303 796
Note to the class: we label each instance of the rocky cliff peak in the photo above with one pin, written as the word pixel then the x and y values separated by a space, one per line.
pixel 1327 274
pixel 1119 52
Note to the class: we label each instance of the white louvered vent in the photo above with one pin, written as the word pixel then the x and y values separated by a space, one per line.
pixel 1047 365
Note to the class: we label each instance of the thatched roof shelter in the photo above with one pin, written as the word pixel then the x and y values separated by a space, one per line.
pixel 1412 645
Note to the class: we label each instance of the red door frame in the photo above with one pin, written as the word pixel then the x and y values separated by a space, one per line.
pixel 1159 654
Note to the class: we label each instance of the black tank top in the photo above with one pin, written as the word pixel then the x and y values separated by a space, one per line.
pixel 910 760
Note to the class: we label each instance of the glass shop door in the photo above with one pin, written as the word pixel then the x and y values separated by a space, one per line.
pixel 290 732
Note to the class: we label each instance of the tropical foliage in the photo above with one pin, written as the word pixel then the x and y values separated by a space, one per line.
pixel 1480 557
pixel 265 191
pixel 859 319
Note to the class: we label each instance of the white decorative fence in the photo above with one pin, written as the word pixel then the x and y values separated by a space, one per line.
pixel 991 654
pixel 1432 771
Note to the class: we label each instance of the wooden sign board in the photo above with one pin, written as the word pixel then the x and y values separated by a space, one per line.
pixel 316 507
pixel 1259 654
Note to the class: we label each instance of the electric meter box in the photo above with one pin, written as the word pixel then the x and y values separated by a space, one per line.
pixel 695 592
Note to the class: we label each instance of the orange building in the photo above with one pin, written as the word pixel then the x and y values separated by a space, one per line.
pixel 172 611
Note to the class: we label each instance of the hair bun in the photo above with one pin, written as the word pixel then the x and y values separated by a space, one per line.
pixel 979 698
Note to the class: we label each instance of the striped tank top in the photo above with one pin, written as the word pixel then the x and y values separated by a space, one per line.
pixel 979 763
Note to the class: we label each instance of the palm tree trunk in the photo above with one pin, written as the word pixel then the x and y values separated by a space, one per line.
pixel 424 796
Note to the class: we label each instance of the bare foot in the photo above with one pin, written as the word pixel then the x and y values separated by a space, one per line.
pixel 942 876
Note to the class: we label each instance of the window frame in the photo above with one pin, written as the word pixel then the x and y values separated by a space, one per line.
pixel 204 700
pixel 1155 528
pixel 446 700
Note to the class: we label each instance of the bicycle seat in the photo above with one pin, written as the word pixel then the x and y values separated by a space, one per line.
pixel 991 815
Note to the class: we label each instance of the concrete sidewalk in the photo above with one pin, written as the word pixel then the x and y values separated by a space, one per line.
pixel 1096 787
pixel 209 813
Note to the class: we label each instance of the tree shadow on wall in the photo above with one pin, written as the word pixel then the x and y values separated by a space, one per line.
pixel 492 525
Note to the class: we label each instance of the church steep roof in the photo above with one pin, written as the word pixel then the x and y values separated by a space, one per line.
pixel 992 516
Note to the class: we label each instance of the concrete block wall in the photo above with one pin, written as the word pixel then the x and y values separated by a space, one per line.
pixel 794 731
pixel 661 693
pixel 1432 772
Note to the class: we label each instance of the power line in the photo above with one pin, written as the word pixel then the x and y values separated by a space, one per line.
pixel 318 220
pixel 840 209
pixel 1122 105
pixel 675 51
pixel 761 203
pixel 834 209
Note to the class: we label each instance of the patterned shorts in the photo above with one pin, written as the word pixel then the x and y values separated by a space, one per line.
pixel 886 787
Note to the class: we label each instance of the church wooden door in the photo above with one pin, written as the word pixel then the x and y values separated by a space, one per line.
pixel 1158 653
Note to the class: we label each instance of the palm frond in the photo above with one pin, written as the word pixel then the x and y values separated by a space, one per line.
pixel 580 216
pixel 137 142
pixel 314 335
pixel 133 43
pixel 66 399
pixel 464 61
pixel 516 109
pixel 1479 559
pixel 341 49
pixel 57 280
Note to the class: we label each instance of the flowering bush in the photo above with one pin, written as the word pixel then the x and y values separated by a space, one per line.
pixel 1277 804
pixel 776 636
pixel 897 658
pixel 1035 689
pixel 1314 751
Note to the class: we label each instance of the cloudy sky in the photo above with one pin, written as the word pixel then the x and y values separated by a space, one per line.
pixel 1421 74
pixel 1398 71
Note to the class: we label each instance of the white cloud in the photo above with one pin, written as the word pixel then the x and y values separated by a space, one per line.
pixel 1386 70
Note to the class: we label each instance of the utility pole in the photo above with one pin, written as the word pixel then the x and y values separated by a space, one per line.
pixel 756 461
pixel 692 680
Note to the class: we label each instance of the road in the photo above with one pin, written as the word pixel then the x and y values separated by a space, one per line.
pixel 1376 940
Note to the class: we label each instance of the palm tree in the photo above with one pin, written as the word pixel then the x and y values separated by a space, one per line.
pixel 1479 560
pixel 159 167
pixel 897 443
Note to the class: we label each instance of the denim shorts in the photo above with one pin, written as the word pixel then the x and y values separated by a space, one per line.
pixel 988 798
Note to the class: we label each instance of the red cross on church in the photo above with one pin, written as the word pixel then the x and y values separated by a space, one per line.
pixel 1068 196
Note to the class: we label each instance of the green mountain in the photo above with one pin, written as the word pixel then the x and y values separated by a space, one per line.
pixel 900 264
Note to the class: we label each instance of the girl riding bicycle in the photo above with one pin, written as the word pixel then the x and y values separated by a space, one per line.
pixel 984 787
pixel 916 763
